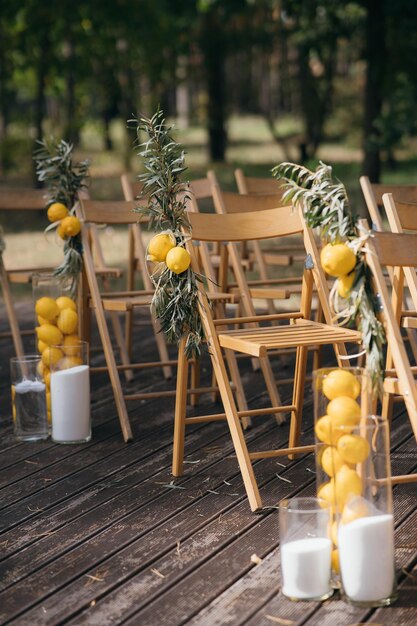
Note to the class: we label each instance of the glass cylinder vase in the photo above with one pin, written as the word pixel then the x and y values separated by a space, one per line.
pixel 57 318
pixel 363 498
pixel 341 397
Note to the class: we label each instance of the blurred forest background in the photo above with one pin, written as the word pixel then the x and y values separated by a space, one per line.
pixel 247 82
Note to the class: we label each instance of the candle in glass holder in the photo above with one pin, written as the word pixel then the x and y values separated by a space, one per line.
pixel 70 393
pixel 305 549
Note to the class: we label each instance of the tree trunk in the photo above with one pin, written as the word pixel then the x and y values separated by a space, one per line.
pixel 375 55
pixel 214 49
pixel 41 73
pixel 72 131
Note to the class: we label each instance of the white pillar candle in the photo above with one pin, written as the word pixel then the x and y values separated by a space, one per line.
pixel 70 404
pixel 306 565
pixel 366 554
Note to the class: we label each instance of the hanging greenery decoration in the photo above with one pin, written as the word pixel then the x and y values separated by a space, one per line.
pixel 175 301
pixel 64 180
pixel 326 207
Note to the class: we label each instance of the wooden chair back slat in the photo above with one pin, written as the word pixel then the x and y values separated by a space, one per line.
pixel 267 224
pixel 229 202
pixel 23 199
pixel 396 250
pixel 255 184
pixel 108 212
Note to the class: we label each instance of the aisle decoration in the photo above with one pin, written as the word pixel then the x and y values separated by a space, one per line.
pixel 64 180
pixel 55 296
pixel 326 207
pixel 175 299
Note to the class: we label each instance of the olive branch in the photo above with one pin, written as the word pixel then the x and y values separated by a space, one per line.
pixel 175 301
pixel 64 180
pixel 325 205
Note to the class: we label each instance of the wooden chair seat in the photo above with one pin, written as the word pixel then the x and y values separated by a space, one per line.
pixel 257 341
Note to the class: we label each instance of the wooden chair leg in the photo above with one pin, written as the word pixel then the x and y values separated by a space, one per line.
pixel 130 281
pixel 238 438
pixel 195 381
pixel 298 397
pixel 271 387
pixel 121 344
pixel 387 406
pixel 11 314
pixel 180 411
pixel 162 348
pixel 237 382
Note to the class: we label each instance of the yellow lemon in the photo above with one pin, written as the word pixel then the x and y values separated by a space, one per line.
pixel 41 346
pixel 353 448
pixel 49 334
pixel 68 321
pixel 344 410
pixel 61 232
pixel 337 259
pixel 70 361
pixel 57 211
pixel 347 483
pixel 355 509
pixel 178 260
pixel 333 532
pixel 48 400
pixel 71 345
pixel 335 561
pixel 326 492
pixel 341 382
pixel 42 320
pixel 70 226
pixel 41 368
pixel 331 461
pixel 159 246
pixel 47 377
pixel 64 302
pixel 325 432
pixel 47 308
pixel 345 284
pixel 52 356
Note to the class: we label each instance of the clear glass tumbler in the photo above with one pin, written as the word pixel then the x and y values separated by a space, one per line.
pixel 28 398
pixel 70 392
pixel 305 548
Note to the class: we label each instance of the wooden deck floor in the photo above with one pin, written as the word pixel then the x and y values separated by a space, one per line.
pixel 99 534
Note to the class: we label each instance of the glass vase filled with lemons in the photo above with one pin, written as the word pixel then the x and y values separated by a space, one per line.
pixel 56 321
pixel 342 399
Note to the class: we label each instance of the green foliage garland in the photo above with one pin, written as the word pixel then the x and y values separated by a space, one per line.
pixel 326 206
pixel 64 180
pixel 175 299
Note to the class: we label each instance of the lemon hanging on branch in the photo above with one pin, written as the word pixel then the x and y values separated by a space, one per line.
pixel 175 300
pixel 178 260
pixel 337 259
pixel 159 246
pixel 345 284
pixel 69 227
pixel 57 211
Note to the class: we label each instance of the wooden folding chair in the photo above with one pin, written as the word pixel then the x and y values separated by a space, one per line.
pixel 399 252
pixel 373 194
pixel 373 197
pixel 137 265
pixel 291 329
pixel 22 200
pixel 92 212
